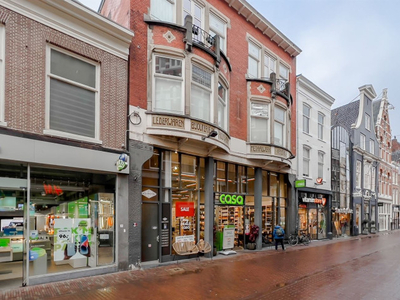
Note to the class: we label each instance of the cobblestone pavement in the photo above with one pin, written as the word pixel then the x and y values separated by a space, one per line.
pixel 363 267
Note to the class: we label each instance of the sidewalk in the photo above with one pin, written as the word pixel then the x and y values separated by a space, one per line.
pixel 149 271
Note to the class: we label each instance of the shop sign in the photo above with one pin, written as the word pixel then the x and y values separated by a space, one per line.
pixel 380 203
pixel 343 210
pixel 319 180
pixel 314 200
pixel 231 199
pixel 122 162
pixel 184 238
pixel 300 183
pixel 184 209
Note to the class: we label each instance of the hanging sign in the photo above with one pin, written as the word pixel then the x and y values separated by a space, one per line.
pixel 184 209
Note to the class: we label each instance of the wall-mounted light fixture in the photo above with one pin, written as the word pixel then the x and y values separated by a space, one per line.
pixel 213 133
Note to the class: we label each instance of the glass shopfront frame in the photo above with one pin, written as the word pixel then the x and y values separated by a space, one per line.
pixel 313 215
pixel 68 220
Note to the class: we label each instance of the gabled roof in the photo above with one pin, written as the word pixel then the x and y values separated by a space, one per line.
pixel 345 115
pixel 376 106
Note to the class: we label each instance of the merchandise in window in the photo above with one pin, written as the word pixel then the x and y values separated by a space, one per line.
pixel 73 95
pixel 168 85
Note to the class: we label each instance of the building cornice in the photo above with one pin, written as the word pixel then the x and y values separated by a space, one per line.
pixel 253 16
pixel 76 20
pixel 310 87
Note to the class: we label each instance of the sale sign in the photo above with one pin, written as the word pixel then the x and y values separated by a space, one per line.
pixel 184 209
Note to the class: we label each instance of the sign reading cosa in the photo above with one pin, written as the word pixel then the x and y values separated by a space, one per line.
pixel 231 199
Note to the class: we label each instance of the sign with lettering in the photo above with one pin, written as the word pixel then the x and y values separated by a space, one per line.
pixel 184 238
pixel 228 237
pixel 300 183
pixel 230 199
pixel 168 121
pixel 314 200
pixel 184 209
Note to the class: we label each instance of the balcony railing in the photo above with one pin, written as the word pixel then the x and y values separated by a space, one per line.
pixel 281 85
pixel 202 37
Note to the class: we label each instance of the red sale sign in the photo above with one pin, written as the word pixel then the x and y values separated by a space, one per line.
pixel 184 209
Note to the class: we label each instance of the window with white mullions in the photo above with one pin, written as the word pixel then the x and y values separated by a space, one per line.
pixel 222 106
pixel 201 92
pixel 73 92
pixel 321 119
pixel 254 61
pixel 279 126
pixel 306 118
pixel 163 10
pixel 218 26
pixel 191 7
pixel 321 156
pixel 269 65
pixel 259 127
pixel 168 85
pixel 306 161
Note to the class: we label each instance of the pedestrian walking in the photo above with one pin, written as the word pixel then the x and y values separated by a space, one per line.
pixel 278 234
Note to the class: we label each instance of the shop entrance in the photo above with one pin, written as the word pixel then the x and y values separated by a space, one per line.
pixel 313 221
pixel 12 250
pixel 229 219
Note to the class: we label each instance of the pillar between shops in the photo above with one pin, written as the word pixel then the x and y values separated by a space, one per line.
pixel 258 205
pixel 209 202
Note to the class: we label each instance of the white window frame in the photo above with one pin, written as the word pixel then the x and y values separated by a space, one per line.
pixel 281 65
pixel 158 3
pixel 367 175
pixel 306 161
pixel 255 116
pixel 283 144
pixel 269 65
pixel 48 130
pixel 321 126
pixel 192 13
pixel 367 122
pixel 210 90
pixel 224 103
pixel 362 141
pixel 306 119
pixel 2 74
pixel 373 178
pixel 170 77
pixel 358 174
pixel 215 30
pixel 321 158
pixel 372 146
pixel 254 58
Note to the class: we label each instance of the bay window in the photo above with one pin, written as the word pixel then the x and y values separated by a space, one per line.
pixel 279 126
pixel 168 85
pixel 200 100
pixel 254 61
pixel 222 106
pixel 73 106
pixel 259 122
pixel 163 10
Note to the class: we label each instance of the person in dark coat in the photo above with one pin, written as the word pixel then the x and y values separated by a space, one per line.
pixel 278 234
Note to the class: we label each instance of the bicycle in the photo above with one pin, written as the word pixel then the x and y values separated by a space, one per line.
pixel 303 237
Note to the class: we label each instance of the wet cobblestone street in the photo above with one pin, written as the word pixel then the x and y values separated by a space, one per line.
pixel 363 267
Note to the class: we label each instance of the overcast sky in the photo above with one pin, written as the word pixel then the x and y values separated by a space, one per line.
pixel 345 44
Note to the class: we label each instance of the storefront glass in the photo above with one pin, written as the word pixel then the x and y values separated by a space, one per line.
pixel 71 218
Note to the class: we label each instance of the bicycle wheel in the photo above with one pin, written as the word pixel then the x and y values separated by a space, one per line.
pixel 293 240
pixel 306 240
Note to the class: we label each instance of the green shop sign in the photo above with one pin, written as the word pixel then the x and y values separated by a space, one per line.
pixel 231 199
pixel 300 183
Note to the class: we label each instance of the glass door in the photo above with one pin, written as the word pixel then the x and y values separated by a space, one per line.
pixel 313 223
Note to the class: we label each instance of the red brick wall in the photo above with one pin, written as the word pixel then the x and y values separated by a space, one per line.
pixel 25 74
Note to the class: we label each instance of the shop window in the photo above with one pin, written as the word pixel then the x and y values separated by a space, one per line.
pixel 2 70
pixel 73 220
pixel 243 179
pixel 232 178
pixel 273 184
pixel 222 107
pixel 259 123
pixel 265 183
pixel 282 186
pixel 168 86
pixel 279 126
pixel 250 179
pixel 201 94
pixel 73 104
pixel 150 170
pixel 306 118
pixel 163 10
pixel 220 183
pixel 218 26
pixel 282 213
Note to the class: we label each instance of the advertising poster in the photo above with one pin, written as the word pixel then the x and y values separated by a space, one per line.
pixel 229 237
pixel 72 239
pixel 78 209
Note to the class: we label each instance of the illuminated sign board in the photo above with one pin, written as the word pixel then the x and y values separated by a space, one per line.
pixel 230 199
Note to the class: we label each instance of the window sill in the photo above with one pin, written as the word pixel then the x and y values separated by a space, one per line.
pixel 71 136
pixel 306 133
pixel 322 141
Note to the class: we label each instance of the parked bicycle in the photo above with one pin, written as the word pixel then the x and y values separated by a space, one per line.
pixel 303 237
